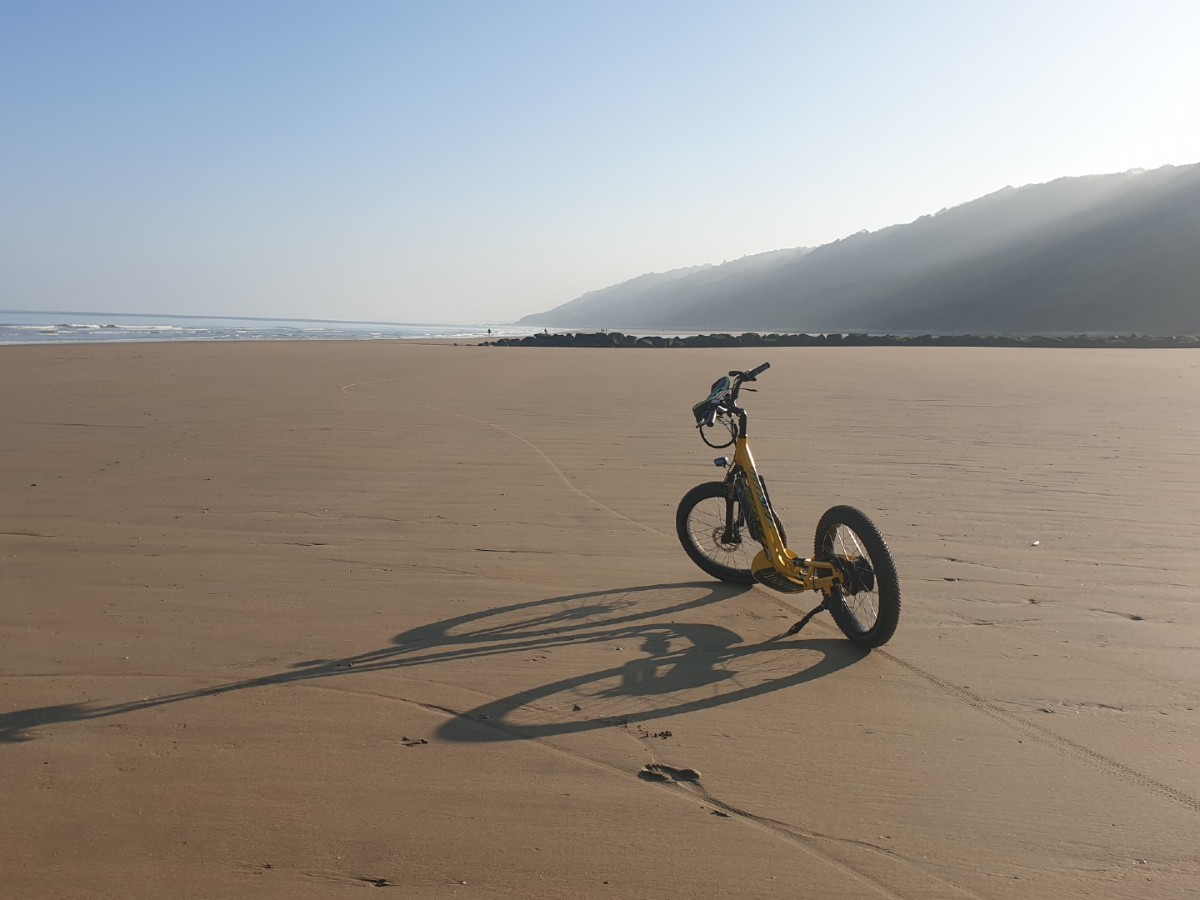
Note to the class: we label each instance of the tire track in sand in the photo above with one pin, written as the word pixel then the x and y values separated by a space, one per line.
pixel 689 781
pixel 554 467
pixel 1045 736
pixel 807 841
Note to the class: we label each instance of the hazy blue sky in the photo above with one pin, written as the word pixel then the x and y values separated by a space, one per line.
pixel 477 161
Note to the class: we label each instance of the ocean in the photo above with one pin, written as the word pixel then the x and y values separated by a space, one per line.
pixel 28 327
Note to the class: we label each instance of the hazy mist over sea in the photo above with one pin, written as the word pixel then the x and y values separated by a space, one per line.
pixel 25 327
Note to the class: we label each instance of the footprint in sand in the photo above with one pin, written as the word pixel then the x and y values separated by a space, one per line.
pixel 661 772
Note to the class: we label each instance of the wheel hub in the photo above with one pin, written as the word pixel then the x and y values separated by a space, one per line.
pixel 857 574
pixel 727 541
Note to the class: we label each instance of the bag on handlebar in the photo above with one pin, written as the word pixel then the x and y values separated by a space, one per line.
pixel 719 389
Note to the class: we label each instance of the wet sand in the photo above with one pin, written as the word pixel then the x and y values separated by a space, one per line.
pixel 286 620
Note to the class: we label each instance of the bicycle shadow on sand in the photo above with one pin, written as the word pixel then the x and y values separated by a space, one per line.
pixel 685 668
pixel 676 657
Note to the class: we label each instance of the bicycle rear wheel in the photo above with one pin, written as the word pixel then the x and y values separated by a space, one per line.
pixel 700 524
pixel 867 605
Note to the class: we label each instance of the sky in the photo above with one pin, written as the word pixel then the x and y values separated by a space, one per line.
pixel 479 160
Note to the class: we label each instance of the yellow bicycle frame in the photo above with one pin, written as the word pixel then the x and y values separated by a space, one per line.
pixel 807 574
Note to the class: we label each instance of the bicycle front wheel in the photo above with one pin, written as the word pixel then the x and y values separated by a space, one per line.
pixel 867 605
pixel 700 524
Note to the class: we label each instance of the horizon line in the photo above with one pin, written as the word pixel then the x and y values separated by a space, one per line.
pixel 133 315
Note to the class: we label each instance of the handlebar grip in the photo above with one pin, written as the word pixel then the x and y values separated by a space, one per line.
pixel 754 373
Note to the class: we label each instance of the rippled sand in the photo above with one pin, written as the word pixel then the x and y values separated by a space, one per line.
pixel 280 620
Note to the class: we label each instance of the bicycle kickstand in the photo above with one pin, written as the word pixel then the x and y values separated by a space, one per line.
pixel 795 629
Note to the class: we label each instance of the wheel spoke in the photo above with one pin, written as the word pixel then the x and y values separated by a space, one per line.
pixel 706 525
pixel 863 604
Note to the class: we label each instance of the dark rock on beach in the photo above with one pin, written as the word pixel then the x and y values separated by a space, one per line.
pixel 754 339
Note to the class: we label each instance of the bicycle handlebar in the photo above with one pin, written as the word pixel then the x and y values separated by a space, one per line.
pixel 754 373
pixel 724 391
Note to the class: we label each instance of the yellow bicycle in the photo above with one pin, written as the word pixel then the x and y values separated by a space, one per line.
pixel 729 530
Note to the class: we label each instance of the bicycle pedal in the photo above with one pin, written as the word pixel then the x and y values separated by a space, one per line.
pixel 776 582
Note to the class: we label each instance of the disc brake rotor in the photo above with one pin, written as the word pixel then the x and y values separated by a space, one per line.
pixel 719 538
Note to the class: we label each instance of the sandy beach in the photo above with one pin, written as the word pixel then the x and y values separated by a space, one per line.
pixel 298 619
